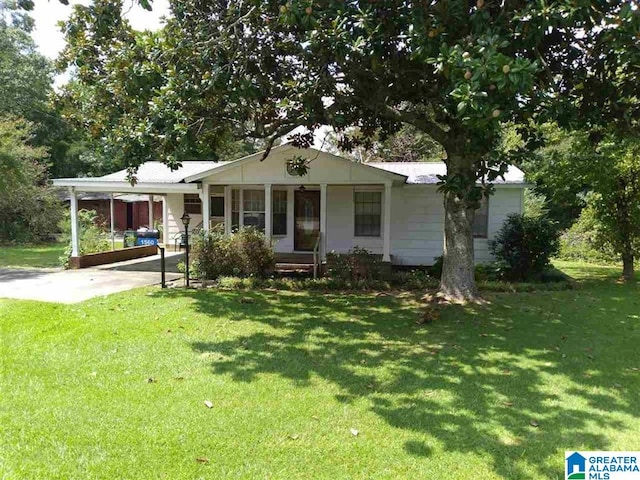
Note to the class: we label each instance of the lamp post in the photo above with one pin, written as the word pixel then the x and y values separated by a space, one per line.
pixel 185 221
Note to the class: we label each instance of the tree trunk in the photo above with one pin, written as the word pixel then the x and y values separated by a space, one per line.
pixel 628 273
pixel 458 274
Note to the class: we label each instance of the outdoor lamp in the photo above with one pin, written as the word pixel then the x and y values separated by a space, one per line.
pixel 185 221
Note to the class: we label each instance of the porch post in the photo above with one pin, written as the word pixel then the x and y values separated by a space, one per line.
pixel 150 225
pixel 268 211
pixel 206 206
pixel 386 247
pixel 323 221
pixel 165 221
pixel 75 243
pixel 241 208
pixel 112 221
pixel 227 209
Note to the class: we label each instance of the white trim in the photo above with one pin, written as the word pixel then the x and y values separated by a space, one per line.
pixel 75 241
pixel 386 245
pixel 268 211
pixel 205 197
pixel 112 221
pixel 150 219
pixel 323 220
pixel 82 185
pixel 165 221
pixel 227 209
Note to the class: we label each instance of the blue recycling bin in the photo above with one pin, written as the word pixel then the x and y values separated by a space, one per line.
pixel 147 237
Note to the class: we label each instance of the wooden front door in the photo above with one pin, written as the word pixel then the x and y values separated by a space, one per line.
pixel 307 220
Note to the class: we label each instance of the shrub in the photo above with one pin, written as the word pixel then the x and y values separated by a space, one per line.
pixel 92 235
pixel 413 280
pixel 524 246
pixel 586 241
pixel 358 264
pixel 242 254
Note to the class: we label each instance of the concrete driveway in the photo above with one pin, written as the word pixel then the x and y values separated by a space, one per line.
pixel 72 286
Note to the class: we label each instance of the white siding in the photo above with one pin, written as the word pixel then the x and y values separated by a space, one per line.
pixel 340 222
pixel 503 202
pixel 417 234
pixel 175 203
pixel 417 216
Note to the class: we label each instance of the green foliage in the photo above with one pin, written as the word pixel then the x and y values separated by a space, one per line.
pixel 585 240
pixel 535 204
pixel 524 246
pixel 92 235
pixel 29 210
pixel 245 253
pixel 358 264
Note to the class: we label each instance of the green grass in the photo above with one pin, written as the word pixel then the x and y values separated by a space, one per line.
pixel 33 256
pixel 291 373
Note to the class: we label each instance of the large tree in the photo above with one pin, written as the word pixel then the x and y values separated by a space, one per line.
pixel 452 69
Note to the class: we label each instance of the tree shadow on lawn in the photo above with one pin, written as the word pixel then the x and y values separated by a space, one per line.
pixel 473 381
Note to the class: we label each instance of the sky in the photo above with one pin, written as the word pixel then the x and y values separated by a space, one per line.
pixel 47 13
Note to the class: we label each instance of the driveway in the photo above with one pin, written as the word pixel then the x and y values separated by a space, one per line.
pixel 73 286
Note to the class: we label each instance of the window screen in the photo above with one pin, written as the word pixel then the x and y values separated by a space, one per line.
pixel 481 219
pixel 368 213
pixel 279 212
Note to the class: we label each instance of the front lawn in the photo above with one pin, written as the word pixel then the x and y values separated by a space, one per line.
pixel 309 385
pixel 33 256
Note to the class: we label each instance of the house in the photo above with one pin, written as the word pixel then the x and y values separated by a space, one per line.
pixel 391 209
pixel 130 211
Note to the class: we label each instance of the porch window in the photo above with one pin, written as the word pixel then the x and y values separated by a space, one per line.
pixel 279 212
pixel 368 214
pixel 192 204
pixel 217 206
pixel 253 208
pixel 235 210
pixel 481 220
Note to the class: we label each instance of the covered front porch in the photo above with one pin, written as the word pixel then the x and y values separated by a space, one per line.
pixel 299 220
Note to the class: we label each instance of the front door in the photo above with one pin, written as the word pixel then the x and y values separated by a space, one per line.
pixel 307 220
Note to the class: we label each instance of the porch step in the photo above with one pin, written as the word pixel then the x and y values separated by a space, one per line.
pixel 294 267
pixel 295 258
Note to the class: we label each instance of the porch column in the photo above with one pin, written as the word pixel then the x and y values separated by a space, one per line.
pixel 150 225
pixel 386 246
pixel 206 206
pixel 241 208
pixel 112 221
pixel 227 209
pixel 323 221
pixel 75 243
pixel 165 221
pixel 268 214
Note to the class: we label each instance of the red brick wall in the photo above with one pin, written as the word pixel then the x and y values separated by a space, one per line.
pixel 140 212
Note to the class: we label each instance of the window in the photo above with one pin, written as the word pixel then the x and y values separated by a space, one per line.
pixel 253 208
pixel 235 210
pixel 192 204
pixel 368 213
pixel 481 219
pixel 217 206
pixel 279 212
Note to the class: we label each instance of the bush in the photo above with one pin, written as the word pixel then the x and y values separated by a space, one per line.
pixel 524 246
pixel 92 235
pixel 358 264
pixel 242 254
